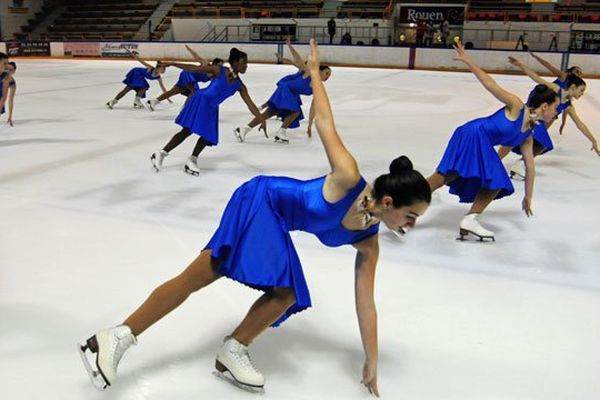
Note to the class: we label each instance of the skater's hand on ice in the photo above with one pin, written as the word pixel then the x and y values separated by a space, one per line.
pixel 527 206
pixel 370 377
pixel 313 57
pixel 263 127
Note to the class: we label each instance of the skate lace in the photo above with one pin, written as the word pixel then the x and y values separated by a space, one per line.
pixel 244 358
pixel 119 346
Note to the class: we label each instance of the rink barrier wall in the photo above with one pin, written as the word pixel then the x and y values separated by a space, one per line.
pixel 356 56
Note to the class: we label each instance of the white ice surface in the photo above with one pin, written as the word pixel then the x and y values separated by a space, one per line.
pixel 88 230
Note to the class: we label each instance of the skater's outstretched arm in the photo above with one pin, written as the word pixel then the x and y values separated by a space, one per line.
pixel 344 170
pixel 562 75
pixel 364 287
pixel 163 88
pixel 513 103
pixel 562 123
pixel 5 83
pixel 532 74
pixel 253 109
pixel 311 118
pixel 527 152
pixel 208 69
pixel 298 60
pixel 11 102
pixel 196 56
pixel 583 129
pixel 138 59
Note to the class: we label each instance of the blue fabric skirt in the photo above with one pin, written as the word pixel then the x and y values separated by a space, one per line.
pixel 255 249
pixel 201 118
pixel 136 80
pixel 540 135
pixel 285 102
pixel 471 155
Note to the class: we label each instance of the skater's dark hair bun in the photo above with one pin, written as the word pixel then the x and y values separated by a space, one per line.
pixel 574 80
pixel 541 94
pixel 400 165
pixel 3 55
pixel 236 55
pixel 14 64
pixel 324 67
pixel 571 70
pixel 217 60
pixel 403 184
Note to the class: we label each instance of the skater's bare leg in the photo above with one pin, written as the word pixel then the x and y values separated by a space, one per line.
pixel 483 198
pixel 437 180
pixel 164 299
pixel 264 116
pixel 200 145
pixel 503 151
pixel 177 139
pixel 123 92
pixel 287 121
pixel 266 310
pixel 170 93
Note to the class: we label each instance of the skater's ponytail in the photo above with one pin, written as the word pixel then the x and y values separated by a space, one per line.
pixel 235 55
pixel 541 94
pixel 574 80
pixel 405 185
pixel 573 69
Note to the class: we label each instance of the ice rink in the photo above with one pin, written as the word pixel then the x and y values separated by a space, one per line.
pixel 88 230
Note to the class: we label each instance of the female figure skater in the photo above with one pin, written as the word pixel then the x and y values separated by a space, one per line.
pixel 470 165
pixel 285 101
pixel 561 77
pixel 253 246
pixel 200 115
pixel 187 84
pixel 572 88
pixel 137 80
pixel 8 88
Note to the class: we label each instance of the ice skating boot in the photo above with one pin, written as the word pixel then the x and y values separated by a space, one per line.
pixel 137 103
pixel 107 347
pixel 281 136
pixel 152 103
pixel 517 170
pixel 471 225
pixel 157 159
pixel 191 166
pixel 112 103
pixel 241 132
pixel 233 357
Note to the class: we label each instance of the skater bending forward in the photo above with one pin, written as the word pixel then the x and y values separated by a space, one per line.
pixel 339 208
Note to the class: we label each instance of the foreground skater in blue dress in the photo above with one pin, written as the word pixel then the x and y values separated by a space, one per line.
pixel 137 80
pixel 252 245
pixel 200 115
pixel 285 102
pixel 470 165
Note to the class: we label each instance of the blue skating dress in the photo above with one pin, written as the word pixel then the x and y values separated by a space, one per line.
pixel 470 154
pixel 190 78
pixel 201 113
pixel 253 241
pixel 540 132
pixel 12 83
pixel 286 98
pixel 137 78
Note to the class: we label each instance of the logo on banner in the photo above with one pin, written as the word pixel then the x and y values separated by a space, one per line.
pixel 118 49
